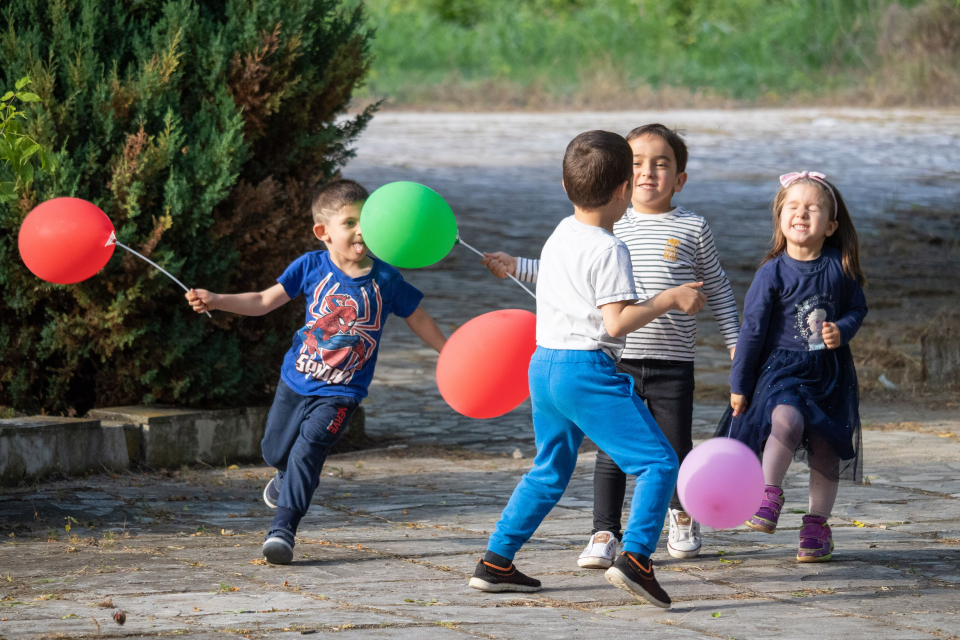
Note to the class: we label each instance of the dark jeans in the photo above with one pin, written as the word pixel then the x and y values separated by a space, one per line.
pixel 300 432
pixel 667 388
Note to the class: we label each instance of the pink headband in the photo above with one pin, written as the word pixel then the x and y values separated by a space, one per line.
pixel 789 178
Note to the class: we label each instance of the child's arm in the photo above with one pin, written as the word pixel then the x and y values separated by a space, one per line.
pixel 626 316
pixel 842 331
pixel 750 343
pixel 503 265
pixel 425 328
pixel 246 304
pixel 717 287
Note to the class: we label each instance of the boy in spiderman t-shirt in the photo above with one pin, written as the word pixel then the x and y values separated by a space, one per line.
pixel 326 372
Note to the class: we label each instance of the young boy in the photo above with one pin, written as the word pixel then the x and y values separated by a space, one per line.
pixel 326 373
pixel 586 303
pixel 669 246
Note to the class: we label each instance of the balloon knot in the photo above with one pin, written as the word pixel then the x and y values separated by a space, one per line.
pixel 112 239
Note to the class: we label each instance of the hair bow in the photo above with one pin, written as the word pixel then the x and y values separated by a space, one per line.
pixel 789 178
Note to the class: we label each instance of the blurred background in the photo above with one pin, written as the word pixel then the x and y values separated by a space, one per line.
pixel 628 54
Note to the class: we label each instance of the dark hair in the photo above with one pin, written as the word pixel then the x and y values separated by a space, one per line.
pixel 595 164
pixel 844 238
pixel 670 136
pixel 333 196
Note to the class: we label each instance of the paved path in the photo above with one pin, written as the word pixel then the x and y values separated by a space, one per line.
pixel 395 532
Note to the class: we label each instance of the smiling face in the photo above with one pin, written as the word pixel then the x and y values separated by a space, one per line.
pixel 341 233
pixel 805 217
pixel 655 177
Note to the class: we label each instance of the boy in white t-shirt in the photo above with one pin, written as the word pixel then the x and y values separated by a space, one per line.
pixel 586 304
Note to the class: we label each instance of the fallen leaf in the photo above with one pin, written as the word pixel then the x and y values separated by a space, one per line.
pixel 227 532
pixel 233 467
pixel 715 615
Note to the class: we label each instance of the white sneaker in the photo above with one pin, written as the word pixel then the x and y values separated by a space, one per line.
pixel 684 541
pixel 600 551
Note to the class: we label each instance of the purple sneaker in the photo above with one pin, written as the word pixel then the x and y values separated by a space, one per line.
pixel 766 517
pixel 816 540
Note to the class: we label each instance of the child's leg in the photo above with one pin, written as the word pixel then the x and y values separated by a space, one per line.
pixel 621 425
pixel 785 434
pixel 283 426
pixel 609 488
pixel 324 422
pixel 557 439
pixel 668 390
pixel 824 477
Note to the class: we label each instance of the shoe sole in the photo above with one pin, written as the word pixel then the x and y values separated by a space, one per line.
pixel 760 528
pixel 277 553
pixel 618 579
pixel 826 558
pixel 594 563
pixel 500 587
pixel 682 555
pixel 266 499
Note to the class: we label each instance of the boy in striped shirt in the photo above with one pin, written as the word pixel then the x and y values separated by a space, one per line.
pixel 669 246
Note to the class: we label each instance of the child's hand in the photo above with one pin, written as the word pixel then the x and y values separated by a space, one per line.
pixel 831 335
pixel 688 298
pixel 500 264
pixel 201 300
pixel 739 403
pixel 733 352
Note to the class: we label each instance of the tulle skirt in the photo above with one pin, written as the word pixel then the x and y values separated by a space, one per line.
pixel 822 386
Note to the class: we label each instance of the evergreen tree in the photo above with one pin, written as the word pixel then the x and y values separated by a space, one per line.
pixel 201 129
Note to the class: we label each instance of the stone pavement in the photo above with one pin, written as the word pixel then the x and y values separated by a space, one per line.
pixel 395 532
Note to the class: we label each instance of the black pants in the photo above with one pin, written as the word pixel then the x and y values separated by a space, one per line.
pixel 666 386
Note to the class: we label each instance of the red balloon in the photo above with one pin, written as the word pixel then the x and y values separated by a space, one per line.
pixel 64 240
pixel 482 369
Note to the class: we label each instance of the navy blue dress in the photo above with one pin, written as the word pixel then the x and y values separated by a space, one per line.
pixel 781 357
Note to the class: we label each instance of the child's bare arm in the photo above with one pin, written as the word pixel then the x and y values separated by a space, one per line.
pixel 621 318
pixel 246 304
pixel 425 327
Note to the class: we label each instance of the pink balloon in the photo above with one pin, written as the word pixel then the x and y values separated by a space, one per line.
pixel 721 483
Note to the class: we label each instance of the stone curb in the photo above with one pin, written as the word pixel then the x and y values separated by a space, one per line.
pixel 117 438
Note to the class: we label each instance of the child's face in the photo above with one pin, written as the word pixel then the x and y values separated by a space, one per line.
pixel 342 234
pixel 655 177
pixel 805 219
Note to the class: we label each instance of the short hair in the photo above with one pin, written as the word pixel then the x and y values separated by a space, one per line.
pixel 595 164
pixel 670 136
pixel 333 196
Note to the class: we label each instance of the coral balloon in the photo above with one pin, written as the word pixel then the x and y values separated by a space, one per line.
pixel 408 225
pixel 482 370
pixel 721 483
pixel 64 240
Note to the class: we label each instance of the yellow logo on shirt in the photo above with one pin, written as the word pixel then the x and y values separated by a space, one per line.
pixel 670 250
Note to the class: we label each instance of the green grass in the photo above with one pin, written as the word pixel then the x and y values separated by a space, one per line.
pixel 739 49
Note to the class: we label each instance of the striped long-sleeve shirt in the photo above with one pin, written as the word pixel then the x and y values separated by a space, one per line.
pixel 668 250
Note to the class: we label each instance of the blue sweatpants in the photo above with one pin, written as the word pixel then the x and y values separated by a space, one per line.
pixel 575 393
pixel 300 432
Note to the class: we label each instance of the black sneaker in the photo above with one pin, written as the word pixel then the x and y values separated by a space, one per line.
pixel 490 577
pixel 277 550
pixel 629 574
pixel 271 492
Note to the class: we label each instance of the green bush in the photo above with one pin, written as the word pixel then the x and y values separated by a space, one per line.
pixel 200 128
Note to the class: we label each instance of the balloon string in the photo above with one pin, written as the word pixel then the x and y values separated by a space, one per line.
pixel 149 261
pixel 460 241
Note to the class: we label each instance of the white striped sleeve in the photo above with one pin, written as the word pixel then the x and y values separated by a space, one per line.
pixel 716 286
pixel 527 270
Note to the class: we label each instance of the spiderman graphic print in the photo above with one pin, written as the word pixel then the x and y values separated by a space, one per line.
pixel 336 350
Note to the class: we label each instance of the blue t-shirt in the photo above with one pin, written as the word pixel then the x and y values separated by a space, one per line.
pixel 786 307
pixel 335 352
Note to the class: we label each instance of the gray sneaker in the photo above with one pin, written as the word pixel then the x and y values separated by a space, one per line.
pixel 276 550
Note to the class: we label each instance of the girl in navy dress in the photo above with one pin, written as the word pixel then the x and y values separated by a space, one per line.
pixel 793 384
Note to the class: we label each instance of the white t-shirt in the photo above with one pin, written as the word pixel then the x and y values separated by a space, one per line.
pixel 581 268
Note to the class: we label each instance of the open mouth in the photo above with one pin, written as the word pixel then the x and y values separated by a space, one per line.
pixel 800 227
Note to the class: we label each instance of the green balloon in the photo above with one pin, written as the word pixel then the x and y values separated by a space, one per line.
pixel 408 225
